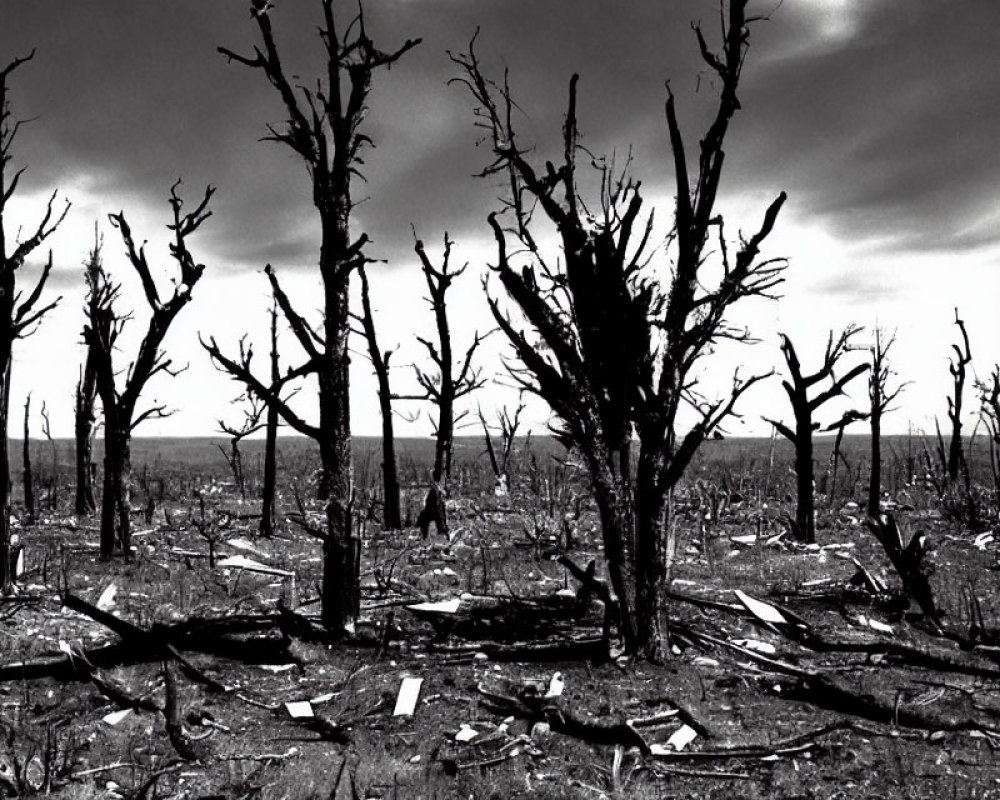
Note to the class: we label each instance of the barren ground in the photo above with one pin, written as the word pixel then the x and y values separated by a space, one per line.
pixel 916 715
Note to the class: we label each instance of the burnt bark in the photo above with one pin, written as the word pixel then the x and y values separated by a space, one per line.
pixel 101 332
pixel 612 341
pixel 86 395
pixel 445 384
pixel 957 367
pixel 20 312
pixel 270 440
pixel 881 396
pixel 323 128
pixel 392 515
pixel 798 387
pixel 27 477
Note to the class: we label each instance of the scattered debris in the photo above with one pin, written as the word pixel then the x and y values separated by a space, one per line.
pixel 406 700
pixel 242 562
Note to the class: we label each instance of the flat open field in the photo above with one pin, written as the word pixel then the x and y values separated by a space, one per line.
pixel 850 695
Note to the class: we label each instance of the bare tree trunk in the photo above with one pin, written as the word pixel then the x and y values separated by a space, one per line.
pixel 270 440
pixel 805 510
pixel 6 571
pixel 26 475
pixel 875 476
pixel 957 367
pixel 392 517
pixel 341 567
pixel 116 508
pixel 617 529
pixel 18 312
pixel 84 419
pixel 651 525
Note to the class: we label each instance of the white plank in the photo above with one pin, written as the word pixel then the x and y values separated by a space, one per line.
pixel 406 700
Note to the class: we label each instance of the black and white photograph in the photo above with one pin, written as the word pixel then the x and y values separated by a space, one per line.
pixel 493 399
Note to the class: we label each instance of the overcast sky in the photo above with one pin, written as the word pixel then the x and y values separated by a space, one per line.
pixel 880 119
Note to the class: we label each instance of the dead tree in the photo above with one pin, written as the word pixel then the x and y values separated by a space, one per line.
pixel 508 433
pixel 797 387
pixel 392 515
pixel 613 343
pixel 989 398
pixel 251 423
pixel 323 127
pixel 27 478
pixel 957 367
pixel 881 396
pixel 269 486
pixel 101 333
pixel 445 384
pixel 86 394
pixel 53 500
pixel 19 314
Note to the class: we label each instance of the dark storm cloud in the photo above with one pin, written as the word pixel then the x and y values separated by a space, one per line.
pixel 885 132
pixel 890 136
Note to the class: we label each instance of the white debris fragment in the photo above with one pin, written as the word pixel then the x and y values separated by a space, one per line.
pixel 766 648
pixel 556 685
pixel 299 709
pixel 466 733
pixel 116 717
pixel 108 597
pixel 242 562
pixel 763 611
pixel 450 606
pixel 406 700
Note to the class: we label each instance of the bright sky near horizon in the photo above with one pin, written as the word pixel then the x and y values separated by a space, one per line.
pixel 878 118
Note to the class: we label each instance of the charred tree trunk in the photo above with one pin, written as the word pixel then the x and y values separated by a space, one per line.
pixel 86 396
pixel 881 396
pixel 444 386
pixel 618 530
pixel 610 347
pixel 83 430
pixel 803 407
pixel 651 532
pixel 341 565
pixel 875 476
pixel 270 440
pixel 116 503
pixel 27 478
pixel 957 367
pixel 392 515
pixel 6 567
pixel 101 332
pixel 18 312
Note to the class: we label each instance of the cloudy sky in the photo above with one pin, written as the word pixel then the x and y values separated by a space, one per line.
pixel 880 119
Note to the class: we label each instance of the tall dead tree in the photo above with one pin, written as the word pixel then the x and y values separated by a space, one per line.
pixel 251 422
pixel 84 415
pixel 957 367
pixel 613 341
pixel 104 325
pixel 798 387
pixel 508 433
pixel 323 127
pixel 269 487
pixel 989 398
pixel 27 476
pixel 444 384
pixel 881 396
pixel 392 515
pixel 18 313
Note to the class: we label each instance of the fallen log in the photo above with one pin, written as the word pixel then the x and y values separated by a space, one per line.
pixel 126 630
pixel 827 691
pixel 247 639
pixel 561 720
